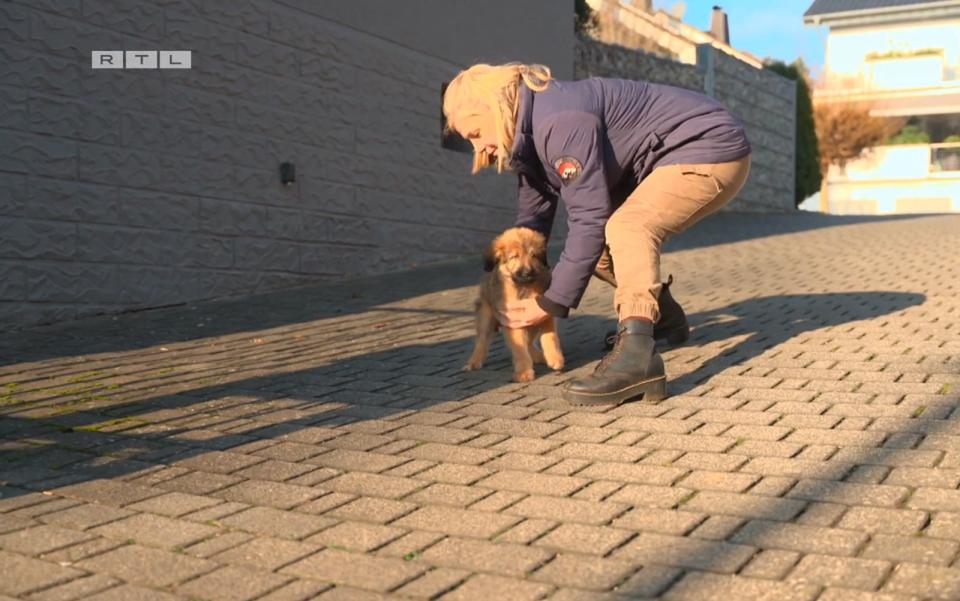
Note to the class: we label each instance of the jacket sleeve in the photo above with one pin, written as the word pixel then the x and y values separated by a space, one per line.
pixel 574 143
pixel 536 206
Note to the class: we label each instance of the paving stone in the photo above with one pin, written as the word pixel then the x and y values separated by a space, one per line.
pixel 74 553
pixel 698 585
pixel 108 492
pixel 935 499
pixel 770 564
pixel 215 513
pixel 483 587
pixel 499 558
pixel 373 485
pixel 270 494
pixel 797 468
pixel 84 516
pixel 717 527
pixel 630 472
pixel 526 531
pixel 462 522
pixel 720 481
pixel 924 581
pixel 275 522
pixel 846 594
pixel 74 589
pixel 849 493
pixel 30 574
pixel 199 483
pixel 680 442
pixel 566 510
pixel 710 461
pixel 911 548
pixel 643 495
pixel 944 525
pixel 650 582
pixel 41 539
pixel 583 572
pixel 744 505
pixel 509 480
pixel 217 544
pixel 148 567
pixel 434 583
pixel 277 471
pixel 174 504
pixel 447 453
pixel 794 537
pixel 580 538
pixel 848 572
pixel 232 584
pixel 924 477
pixel 521 461
pixel 370 509
pixel 883 520
pixel 129 592
pixel 452 473
pixel 664 550
pixel 355 569
pixel 409 545
pixel 664 521
pixel 216 462
pixel 155 531
pixel 298 590
pixel 266 553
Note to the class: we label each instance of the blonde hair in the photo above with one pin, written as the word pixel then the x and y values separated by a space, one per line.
pixel 492 88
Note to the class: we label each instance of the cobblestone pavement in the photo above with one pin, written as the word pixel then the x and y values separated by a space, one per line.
pixel 322 443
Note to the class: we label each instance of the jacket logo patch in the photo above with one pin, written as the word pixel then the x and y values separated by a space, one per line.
pixel 568 168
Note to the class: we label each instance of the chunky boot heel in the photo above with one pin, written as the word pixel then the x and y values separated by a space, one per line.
pixel 633 369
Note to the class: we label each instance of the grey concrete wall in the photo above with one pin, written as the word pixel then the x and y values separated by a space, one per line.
pixel 764 101
pixel 122 189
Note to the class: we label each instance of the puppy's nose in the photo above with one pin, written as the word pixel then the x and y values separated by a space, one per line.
pixel 525 274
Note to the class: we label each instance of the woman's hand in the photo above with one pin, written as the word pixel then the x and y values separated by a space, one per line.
pixel 521 314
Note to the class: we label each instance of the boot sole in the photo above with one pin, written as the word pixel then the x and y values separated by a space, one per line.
pixel 654 389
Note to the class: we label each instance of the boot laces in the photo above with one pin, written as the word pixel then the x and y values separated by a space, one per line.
pixel 612 355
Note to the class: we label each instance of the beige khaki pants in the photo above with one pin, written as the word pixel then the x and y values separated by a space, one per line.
pixel 667 202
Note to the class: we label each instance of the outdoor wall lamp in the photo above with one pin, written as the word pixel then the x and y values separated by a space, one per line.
pixel 287 174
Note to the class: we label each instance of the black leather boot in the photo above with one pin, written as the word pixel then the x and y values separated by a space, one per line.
pixel 672 326
pixel 633 368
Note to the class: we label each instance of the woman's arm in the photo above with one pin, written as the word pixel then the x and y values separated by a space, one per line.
pixel 536 206
pixel 574 142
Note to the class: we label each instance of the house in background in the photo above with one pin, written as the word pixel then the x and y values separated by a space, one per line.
pixel 902 58
pixel 635 24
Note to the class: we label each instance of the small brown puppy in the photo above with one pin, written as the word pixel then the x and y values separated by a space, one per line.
pixel 516 262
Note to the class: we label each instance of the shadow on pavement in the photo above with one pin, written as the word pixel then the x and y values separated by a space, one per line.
pixel 769 321
pixel 725 228
pixel 415 394
pixel 287 308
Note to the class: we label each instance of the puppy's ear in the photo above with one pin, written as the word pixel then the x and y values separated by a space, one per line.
pixel 489 259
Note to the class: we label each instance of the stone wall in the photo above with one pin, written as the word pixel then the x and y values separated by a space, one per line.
pixel 122 189
pixel 762 100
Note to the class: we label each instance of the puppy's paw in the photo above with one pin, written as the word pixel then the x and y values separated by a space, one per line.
pixel 556 364
pixel 524 376
pixel 472 365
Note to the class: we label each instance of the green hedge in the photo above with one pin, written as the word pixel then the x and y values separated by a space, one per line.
pixel 807 155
